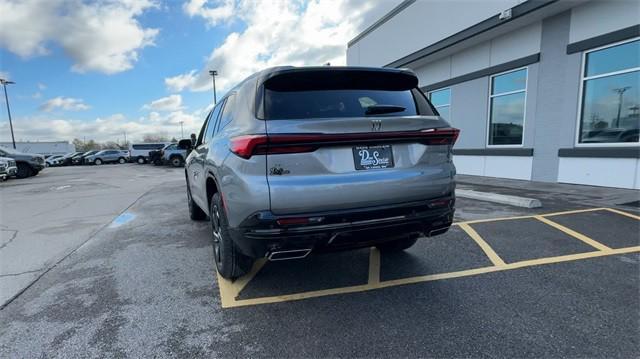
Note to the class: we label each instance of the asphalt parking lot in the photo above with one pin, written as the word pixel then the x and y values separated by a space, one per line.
pixel 561 280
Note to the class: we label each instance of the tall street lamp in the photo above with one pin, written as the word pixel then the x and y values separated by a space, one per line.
pixel 4 84
pixel 620 91
pixel 213 74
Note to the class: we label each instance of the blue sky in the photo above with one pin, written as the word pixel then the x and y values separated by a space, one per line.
pixel 97 69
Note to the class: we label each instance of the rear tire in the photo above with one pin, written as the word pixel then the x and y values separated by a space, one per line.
pixel 122 161
pixel 24 170
pixel 230 263
pixel 176 161
pixel 141 160
pixel 398 244
pixel 195 212
pixel 98 161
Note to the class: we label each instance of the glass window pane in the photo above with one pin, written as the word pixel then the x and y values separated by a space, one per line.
pixel 512 81
pixel 441 97
pixel 333 103
pixel 506 119
pixel 444 112
pixel 611 109
pixel 616 58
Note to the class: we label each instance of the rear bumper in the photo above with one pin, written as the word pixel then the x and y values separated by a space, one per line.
pixel 264 232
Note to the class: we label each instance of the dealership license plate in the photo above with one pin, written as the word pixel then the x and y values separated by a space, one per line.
pixel 372 157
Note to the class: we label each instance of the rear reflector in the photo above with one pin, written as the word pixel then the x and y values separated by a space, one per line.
pixel 248 145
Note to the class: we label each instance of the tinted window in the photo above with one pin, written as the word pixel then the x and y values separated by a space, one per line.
pixel 227 113
pixel 334 103
pixel 507 105
pixel 610 96
pixel 210 125
pixel 612 59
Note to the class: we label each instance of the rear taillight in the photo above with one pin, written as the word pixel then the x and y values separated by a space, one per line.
pixel 248 145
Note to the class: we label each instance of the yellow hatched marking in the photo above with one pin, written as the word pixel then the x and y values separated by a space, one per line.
pixel 493 256
pixel 374 266
pixel 529 216
pixel 428 278
pixel 229 290
pixel 574 234
pixel 623 213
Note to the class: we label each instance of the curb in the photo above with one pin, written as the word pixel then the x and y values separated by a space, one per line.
pixel 499 198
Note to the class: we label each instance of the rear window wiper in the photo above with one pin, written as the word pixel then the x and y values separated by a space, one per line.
pixel 380 109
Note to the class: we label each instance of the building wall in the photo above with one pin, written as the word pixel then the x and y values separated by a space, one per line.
pixel 552 103
pixel 421 24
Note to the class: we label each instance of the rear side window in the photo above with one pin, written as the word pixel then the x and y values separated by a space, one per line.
pixel 227 113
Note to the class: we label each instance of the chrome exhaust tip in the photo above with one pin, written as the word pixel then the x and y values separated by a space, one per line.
pixel 438 231
pixel 290 254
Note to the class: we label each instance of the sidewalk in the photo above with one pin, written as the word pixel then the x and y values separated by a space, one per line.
pixel 554 194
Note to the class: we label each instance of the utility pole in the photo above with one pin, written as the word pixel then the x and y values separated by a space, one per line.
pixel 213 74
pixel 620 91
pixel 4 84
pixel 181 130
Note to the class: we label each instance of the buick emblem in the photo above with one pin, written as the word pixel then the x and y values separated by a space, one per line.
pixel 376 125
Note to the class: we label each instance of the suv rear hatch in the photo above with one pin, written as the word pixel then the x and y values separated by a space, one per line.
pixel 350 138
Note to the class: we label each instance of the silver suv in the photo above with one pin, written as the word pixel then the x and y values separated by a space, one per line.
pixel 295 160
pixel 107 156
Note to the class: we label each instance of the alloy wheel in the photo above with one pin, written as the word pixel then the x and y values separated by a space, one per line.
pixel 216 233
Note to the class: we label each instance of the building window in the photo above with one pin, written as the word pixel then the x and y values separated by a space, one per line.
pixel 610 109
pixel 506 108
pixel 441 100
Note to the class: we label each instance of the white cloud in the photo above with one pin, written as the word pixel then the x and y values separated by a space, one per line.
pixel 221 12
pixel 65 103
pixel 180 82
pixel 277 33
pixel 37 95
pixel 5 75
pixel 169 103
pixel 41 86
pixel 102 36
pixel 110 128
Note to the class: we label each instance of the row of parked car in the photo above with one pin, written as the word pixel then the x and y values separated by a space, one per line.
pixel 94 157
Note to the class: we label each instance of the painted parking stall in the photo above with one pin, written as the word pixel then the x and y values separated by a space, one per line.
pixel 470 248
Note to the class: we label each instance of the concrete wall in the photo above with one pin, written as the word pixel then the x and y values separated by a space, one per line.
pixel 419 25
pixel 602 16
pixel 514 45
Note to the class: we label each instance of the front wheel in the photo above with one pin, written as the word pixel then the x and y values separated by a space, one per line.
pixel 140 160
pixel 195 212
pixel 230 263
pixel 24 170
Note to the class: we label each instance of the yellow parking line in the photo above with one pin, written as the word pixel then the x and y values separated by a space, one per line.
pixel 374 266
pixel 530 216
pixel 574 234
pixel 229 290
pixel 623 213
pixel 493 256
pixel 430 277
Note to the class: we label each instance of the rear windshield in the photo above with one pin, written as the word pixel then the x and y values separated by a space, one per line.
pixel 288 105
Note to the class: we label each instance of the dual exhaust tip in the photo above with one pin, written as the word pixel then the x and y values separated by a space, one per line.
pixel 290 254
pixel 303 253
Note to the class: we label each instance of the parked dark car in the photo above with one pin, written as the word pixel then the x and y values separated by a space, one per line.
pixel 79 159
pixel 67 160
pixel 295 160
pixel 29 164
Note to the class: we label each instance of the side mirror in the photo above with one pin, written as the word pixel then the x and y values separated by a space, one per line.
pixel 185 144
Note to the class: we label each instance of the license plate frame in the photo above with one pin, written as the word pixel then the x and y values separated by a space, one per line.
pixel 372 157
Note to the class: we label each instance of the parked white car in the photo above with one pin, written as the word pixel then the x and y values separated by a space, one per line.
pixel 139 152
pixel 8 168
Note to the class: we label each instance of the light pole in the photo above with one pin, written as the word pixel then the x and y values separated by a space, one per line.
pixel 213 74
pixel 4 84
pixel 620 91
pixel 181 130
